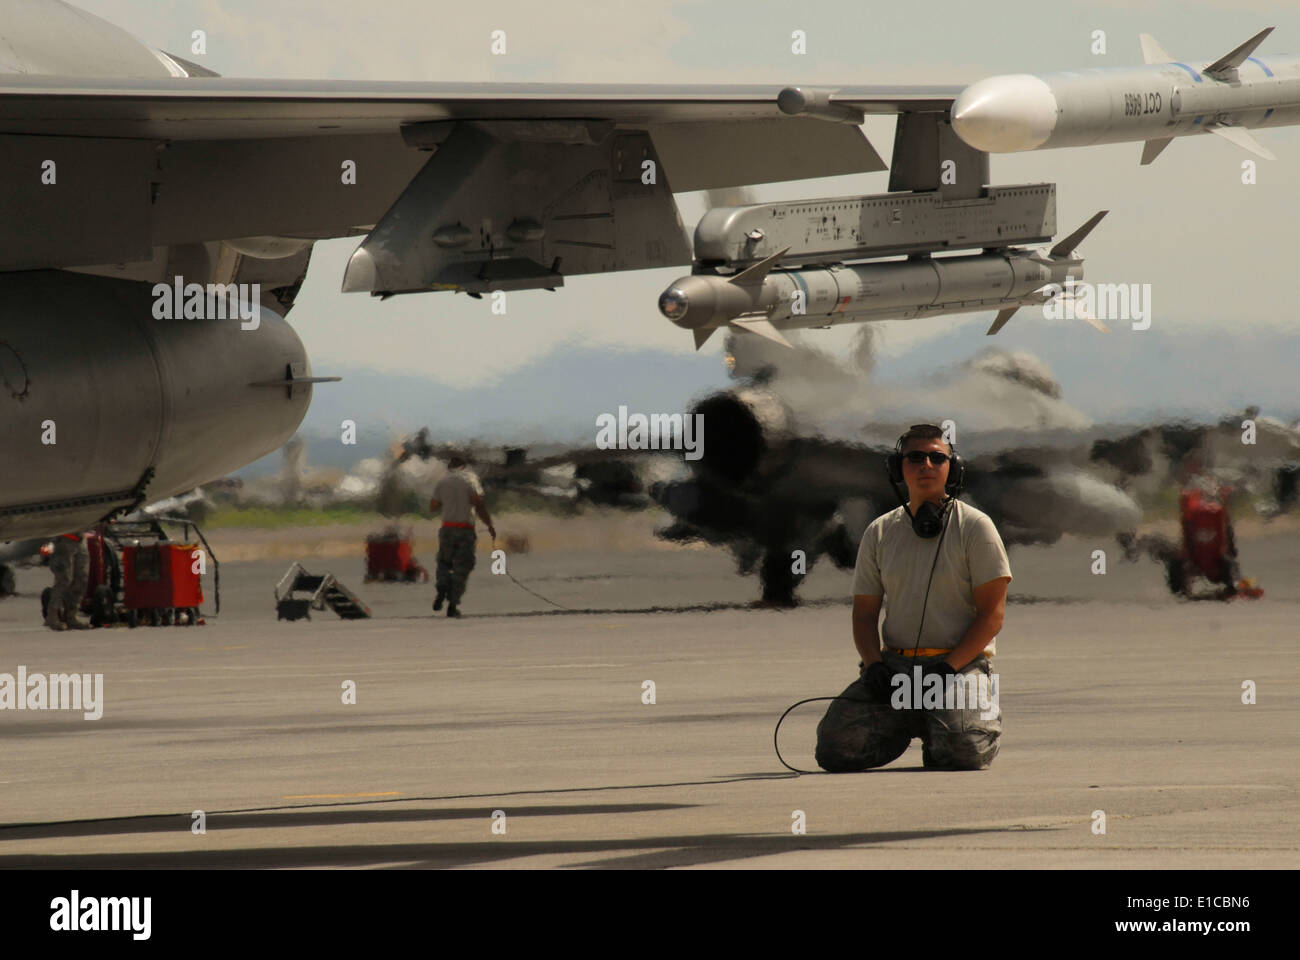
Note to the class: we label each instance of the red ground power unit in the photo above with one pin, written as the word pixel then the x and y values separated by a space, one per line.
pixel 1205 532
pixel 388 557
pixel 160 576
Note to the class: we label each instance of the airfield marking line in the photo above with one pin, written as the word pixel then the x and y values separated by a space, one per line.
pixel 341 796
pixel 1099 848
pixel 370 672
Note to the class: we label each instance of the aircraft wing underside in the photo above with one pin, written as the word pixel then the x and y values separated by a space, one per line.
pixel 544 180
pixel 225 108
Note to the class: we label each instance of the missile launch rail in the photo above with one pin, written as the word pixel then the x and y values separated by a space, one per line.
pixel 837 229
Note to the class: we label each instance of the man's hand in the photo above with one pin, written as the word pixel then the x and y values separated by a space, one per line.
pixel 877 678
pixel 866 636
pixel 942 668
pixel 990 604
pixel 481 509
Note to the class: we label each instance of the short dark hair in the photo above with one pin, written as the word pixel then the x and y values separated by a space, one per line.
pixel 921 431
pixel 455 463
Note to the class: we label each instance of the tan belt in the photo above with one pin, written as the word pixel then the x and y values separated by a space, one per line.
pixel 927 652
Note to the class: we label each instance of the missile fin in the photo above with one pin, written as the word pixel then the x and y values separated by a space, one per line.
pixel 1226 65
pixel 1000 320
pixel 1152 148
pixel 1242 138
pixel 1152 52
pixel 758 272
pixel 763 327
pixel 702 335
pixel 1085 315
pixel 1066 246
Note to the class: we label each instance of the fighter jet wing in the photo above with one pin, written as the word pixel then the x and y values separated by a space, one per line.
pixel 145 163
pixel 227 108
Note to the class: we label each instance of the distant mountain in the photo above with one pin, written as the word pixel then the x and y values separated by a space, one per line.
pixel 1124 377
pixel 1135 376
pixel 554 399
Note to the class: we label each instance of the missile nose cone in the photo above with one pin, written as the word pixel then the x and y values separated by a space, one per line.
pixel 1005 114
pixel 673 304
pixel 691 302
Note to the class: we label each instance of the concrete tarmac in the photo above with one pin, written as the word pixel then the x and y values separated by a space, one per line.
pixel 1116 698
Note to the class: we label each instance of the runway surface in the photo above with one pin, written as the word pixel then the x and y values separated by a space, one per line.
pixel 1116 698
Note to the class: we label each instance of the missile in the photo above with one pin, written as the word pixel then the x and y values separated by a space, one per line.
pixel 1153 104
pixel 765 301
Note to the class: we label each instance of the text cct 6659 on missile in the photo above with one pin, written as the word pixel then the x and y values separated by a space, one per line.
pixel 1155 103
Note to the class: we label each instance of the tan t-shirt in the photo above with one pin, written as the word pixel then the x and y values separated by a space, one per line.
pixel 894 563
pixel 455 492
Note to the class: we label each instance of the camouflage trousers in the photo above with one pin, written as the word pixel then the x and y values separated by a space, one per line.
pixel 455 561
pixel 855 735
pixel 70 564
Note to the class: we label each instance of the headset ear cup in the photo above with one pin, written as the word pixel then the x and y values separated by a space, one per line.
pixel 956 476
pixel 894 466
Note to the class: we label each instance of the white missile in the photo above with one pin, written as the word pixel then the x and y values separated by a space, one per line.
pixel 766 301
pixel 1154 104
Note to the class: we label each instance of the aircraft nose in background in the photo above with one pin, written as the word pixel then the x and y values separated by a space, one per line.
pixel 1005 114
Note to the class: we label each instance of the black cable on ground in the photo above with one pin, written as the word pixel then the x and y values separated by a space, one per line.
pixel 522 587
pixel 536 594
pixel 775 733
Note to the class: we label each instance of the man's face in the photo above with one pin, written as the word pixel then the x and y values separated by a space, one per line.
pixel 924 480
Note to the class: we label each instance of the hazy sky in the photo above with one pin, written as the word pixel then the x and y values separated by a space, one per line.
pixel 1217 253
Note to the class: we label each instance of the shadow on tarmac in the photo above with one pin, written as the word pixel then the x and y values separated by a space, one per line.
pixel 314 815
pixel 642 853
pixel 651 852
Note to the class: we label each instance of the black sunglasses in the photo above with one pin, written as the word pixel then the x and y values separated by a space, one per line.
pixel 936 458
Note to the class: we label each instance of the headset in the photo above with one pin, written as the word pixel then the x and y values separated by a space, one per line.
pixel 929 521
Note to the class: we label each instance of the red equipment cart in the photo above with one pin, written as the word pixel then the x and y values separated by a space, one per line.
pixel 1209 548
pixel 388 557
pixel 137 575
pixel 159 583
